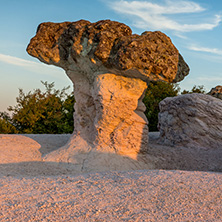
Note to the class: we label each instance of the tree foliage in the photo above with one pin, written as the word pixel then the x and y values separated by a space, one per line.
pixel 6 125
pixel 156 92
pixel 43 112
pixel 195 89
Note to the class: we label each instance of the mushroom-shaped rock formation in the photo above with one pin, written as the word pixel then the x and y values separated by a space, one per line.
pixel 191 120
pixel 110 68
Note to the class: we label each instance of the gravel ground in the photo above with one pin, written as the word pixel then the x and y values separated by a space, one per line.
pixel 155 195
pixel 32 190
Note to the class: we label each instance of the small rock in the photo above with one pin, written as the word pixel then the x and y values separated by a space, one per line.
pixel 216 92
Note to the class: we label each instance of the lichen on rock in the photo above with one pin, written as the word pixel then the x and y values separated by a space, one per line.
pixel 108 47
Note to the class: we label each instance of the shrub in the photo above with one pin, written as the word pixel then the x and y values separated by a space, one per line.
pixel 195 89
pixel 6 126
pixel 43 112
pixel 156 92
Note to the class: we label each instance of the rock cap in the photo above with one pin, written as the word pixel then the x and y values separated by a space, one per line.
pixel 108 47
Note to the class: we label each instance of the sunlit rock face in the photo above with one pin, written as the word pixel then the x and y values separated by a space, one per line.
pixel 108 47
pixel 216 92
pixel 110 68
pixel 191 120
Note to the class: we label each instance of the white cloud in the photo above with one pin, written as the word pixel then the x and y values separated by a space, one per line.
pixel 205 49
pixel 147 14
pixel 32 66
pixel 17 61
pixel 211 79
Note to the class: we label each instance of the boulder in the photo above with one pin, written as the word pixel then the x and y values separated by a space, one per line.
pixel 216 92
pixel 110 68
pixel 191 120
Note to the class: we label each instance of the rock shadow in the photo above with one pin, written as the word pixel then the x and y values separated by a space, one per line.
pixel 183 158
pixel 34 165
pixel 35 168
pixel 49 142
pixel 161 156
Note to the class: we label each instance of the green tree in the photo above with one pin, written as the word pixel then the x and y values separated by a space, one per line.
pixel 6 125
pixel 43 112
pixel 156 92
pixel 195 89
pixel 68 111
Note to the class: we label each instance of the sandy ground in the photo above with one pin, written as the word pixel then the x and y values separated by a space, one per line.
pixel 185 186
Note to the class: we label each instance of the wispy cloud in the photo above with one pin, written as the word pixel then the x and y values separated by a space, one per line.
pixel 147 14
pixel 211 79
pixel 17 61
pixel 31 66
pixel 205 49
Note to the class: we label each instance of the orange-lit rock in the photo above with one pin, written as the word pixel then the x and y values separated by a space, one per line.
pixel 216 92
pixel 110 68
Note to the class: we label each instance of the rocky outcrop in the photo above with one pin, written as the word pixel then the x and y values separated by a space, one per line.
pixel 216 92
pixel 110 68
pixel 193 120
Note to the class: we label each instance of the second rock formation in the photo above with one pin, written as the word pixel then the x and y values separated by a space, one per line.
pixel 191 120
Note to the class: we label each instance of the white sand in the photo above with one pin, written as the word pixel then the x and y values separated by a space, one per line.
pixel 32 190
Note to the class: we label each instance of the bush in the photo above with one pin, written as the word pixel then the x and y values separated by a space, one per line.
pixel 195 89
pixel 43 112
pixel 156 92
pixel 6 126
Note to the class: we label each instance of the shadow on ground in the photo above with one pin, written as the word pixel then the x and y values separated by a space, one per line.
pixel 183 158
pixel 163 157
pixel 48 142
pixel 36 168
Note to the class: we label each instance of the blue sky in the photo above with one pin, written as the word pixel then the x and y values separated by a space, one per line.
pixel 195 27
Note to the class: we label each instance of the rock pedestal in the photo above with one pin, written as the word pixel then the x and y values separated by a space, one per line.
pixel 110 68
pixel 109 113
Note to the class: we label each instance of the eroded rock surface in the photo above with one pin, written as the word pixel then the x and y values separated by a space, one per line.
pixel 193 120
pixel 108 47
pixel 110 68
